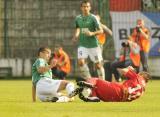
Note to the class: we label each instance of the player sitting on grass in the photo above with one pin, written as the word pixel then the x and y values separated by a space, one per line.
pixel 129 90
pixel 44 86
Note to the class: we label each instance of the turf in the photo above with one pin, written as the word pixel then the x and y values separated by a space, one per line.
pixel 15 101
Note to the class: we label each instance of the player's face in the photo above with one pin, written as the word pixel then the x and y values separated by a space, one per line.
pixel 46 54
pixel 140 23
pixel 86 7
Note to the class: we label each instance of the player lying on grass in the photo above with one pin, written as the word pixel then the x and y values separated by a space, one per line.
pixel 129 90
pixel 47 89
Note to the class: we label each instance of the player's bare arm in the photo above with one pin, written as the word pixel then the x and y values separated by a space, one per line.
pixel 123 71
pixel 33 93
pixel 53 62
pixel 76 34
pixel 44 69
pixel 99 31
pixel 106 29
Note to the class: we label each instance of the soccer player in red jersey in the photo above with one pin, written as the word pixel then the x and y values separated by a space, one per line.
pixel 129 90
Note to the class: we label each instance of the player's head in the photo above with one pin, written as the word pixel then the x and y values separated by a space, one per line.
pixel 140 22
pixel 44 52
pixel 145 75
pixel 57 49
pixel 85 7
pixel 51 60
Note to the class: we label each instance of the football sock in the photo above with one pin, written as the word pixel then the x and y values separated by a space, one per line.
pixel 84 70
pixel 70 88
pixel 101 73
pixel 63 99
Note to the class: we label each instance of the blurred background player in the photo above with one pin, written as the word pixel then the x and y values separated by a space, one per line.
pixel 129 90
pixel 141 36
pixel 101 39
pixel 129 56
pixel 62 63
pixel 87 27
pixel 44 86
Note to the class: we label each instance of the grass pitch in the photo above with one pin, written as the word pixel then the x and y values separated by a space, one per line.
pixel 15 101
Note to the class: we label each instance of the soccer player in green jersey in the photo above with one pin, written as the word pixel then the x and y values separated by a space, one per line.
pixel 87 27
pixel 47 89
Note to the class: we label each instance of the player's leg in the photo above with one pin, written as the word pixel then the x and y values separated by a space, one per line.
pixel 46 89
pixel 83 67
pixel 87 95
pixel 85 84
pixel 96 56
pixel 100 70
pixel 70 88
pixel 65 99
pixel 88 99
pixel 89 83
pixel 88 91
pixel 47 98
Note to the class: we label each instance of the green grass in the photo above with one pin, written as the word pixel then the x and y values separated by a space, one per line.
pixel 15 101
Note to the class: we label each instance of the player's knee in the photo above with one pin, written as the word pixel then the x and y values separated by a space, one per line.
pixel 63 84
pixel 98 65
pixel 81 62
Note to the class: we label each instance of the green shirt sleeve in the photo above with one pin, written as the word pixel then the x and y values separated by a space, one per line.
pixel 96 22
pixel 76 22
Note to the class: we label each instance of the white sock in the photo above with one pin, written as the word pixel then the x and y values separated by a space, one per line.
pixel 63 99
pixel 70 88
pixel 101 73
pixel 84 70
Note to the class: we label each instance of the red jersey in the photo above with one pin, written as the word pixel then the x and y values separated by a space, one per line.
pixel 130 90
pixel 135 85
pixel 107 91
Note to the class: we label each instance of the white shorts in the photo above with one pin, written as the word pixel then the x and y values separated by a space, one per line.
pixel 46 89
pixel 95 54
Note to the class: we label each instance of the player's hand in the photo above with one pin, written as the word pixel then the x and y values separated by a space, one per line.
pixel 89 33
pixel 53 62
pixel 74 40
pixel 59 65
pixel 130 67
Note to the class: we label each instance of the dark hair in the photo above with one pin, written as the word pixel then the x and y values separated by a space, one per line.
pixel 42 49
pixel 145 75
pixel 52 56
pixel 85 1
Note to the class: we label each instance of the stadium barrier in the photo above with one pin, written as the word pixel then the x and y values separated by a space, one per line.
pixel 5 72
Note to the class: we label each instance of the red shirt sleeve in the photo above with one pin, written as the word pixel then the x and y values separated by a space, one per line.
pixel 131 74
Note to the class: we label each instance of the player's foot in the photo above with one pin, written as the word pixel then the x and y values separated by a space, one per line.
pixel 54 99
pixel 93 99
pixel 88 99
pixel 85 84
pixel 75 92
